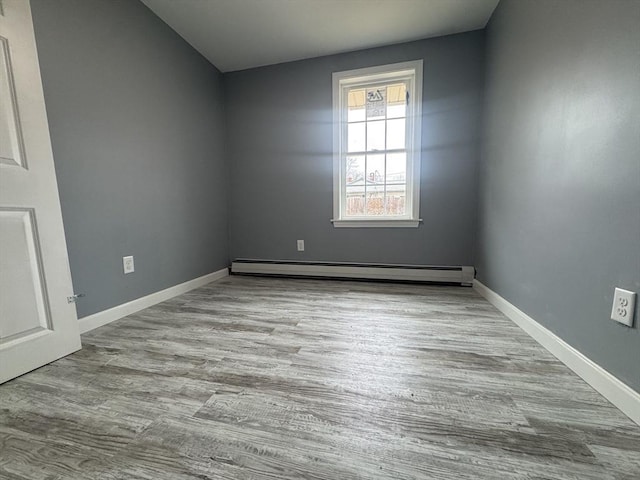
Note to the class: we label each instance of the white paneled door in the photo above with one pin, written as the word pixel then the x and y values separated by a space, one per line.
pixel 37 324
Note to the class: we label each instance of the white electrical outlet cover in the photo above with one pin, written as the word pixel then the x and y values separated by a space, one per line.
pixel 127 264
pixel 301 245
pixel 624 303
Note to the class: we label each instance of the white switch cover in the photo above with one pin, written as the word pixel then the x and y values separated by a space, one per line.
pixel 301 245
pixel 127 263
pixel 624 303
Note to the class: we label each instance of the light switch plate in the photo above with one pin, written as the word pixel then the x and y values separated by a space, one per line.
pixel 624 303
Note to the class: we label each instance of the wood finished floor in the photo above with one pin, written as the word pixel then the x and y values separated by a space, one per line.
pixel 256 378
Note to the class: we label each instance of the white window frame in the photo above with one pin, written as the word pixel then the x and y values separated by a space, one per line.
pixel 342 81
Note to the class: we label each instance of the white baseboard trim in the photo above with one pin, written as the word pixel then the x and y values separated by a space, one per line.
pixel 614 390
pixel 107 316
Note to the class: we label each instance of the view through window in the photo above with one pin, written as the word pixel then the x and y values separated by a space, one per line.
pixel 376 160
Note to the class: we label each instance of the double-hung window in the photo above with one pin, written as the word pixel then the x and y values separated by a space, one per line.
pixel 377 113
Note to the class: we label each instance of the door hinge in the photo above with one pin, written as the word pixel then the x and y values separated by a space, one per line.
pixel 74 298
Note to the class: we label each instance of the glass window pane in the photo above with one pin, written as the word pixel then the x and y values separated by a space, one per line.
pixel 396 199
pixel 396 100
pixel 355 98
pixel 354 174
pixel 375 203
pixel 356 115
pixel 396 134
pixel 356 106
pixel 375 135
pixel 375 172
pixel 397 168
pixel 355 200
pixel 376 102
pixel 355 137
pixel 395 111
pixel 396 93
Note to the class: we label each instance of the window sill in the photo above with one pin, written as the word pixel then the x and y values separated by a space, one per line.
pixel 382 223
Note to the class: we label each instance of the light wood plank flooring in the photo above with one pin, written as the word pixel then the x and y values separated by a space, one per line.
pixel 261 378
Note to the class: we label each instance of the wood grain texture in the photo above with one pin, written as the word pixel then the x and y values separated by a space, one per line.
pixel 256 378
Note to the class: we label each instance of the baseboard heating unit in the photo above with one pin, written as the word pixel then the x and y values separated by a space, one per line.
pixel 365 271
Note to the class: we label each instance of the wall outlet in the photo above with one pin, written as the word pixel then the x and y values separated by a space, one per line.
pixel 624 304
pixel 301 245
pixel 127 264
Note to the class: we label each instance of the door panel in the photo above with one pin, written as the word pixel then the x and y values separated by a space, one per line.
pixel 11 148
pixel 22 277
pixel 37 324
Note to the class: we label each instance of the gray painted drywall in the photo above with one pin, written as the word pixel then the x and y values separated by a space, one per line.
pixel 559 215
pixel 279 139
pixel 136 121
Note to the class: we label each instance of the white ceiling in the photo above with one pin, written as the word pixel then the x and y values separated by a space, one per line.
pixel 239 34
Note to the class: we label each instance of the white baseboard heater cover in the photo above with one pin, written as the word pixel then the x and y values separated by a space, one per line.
pixel 462 275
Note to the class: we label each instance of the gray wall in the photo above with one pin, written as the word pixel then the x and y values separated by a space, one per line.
pixel 560 175
pixel 280 153
pixel 136 120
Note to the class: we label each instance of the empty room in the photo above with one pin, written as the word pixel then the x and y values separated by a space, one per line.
pixel 319 239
